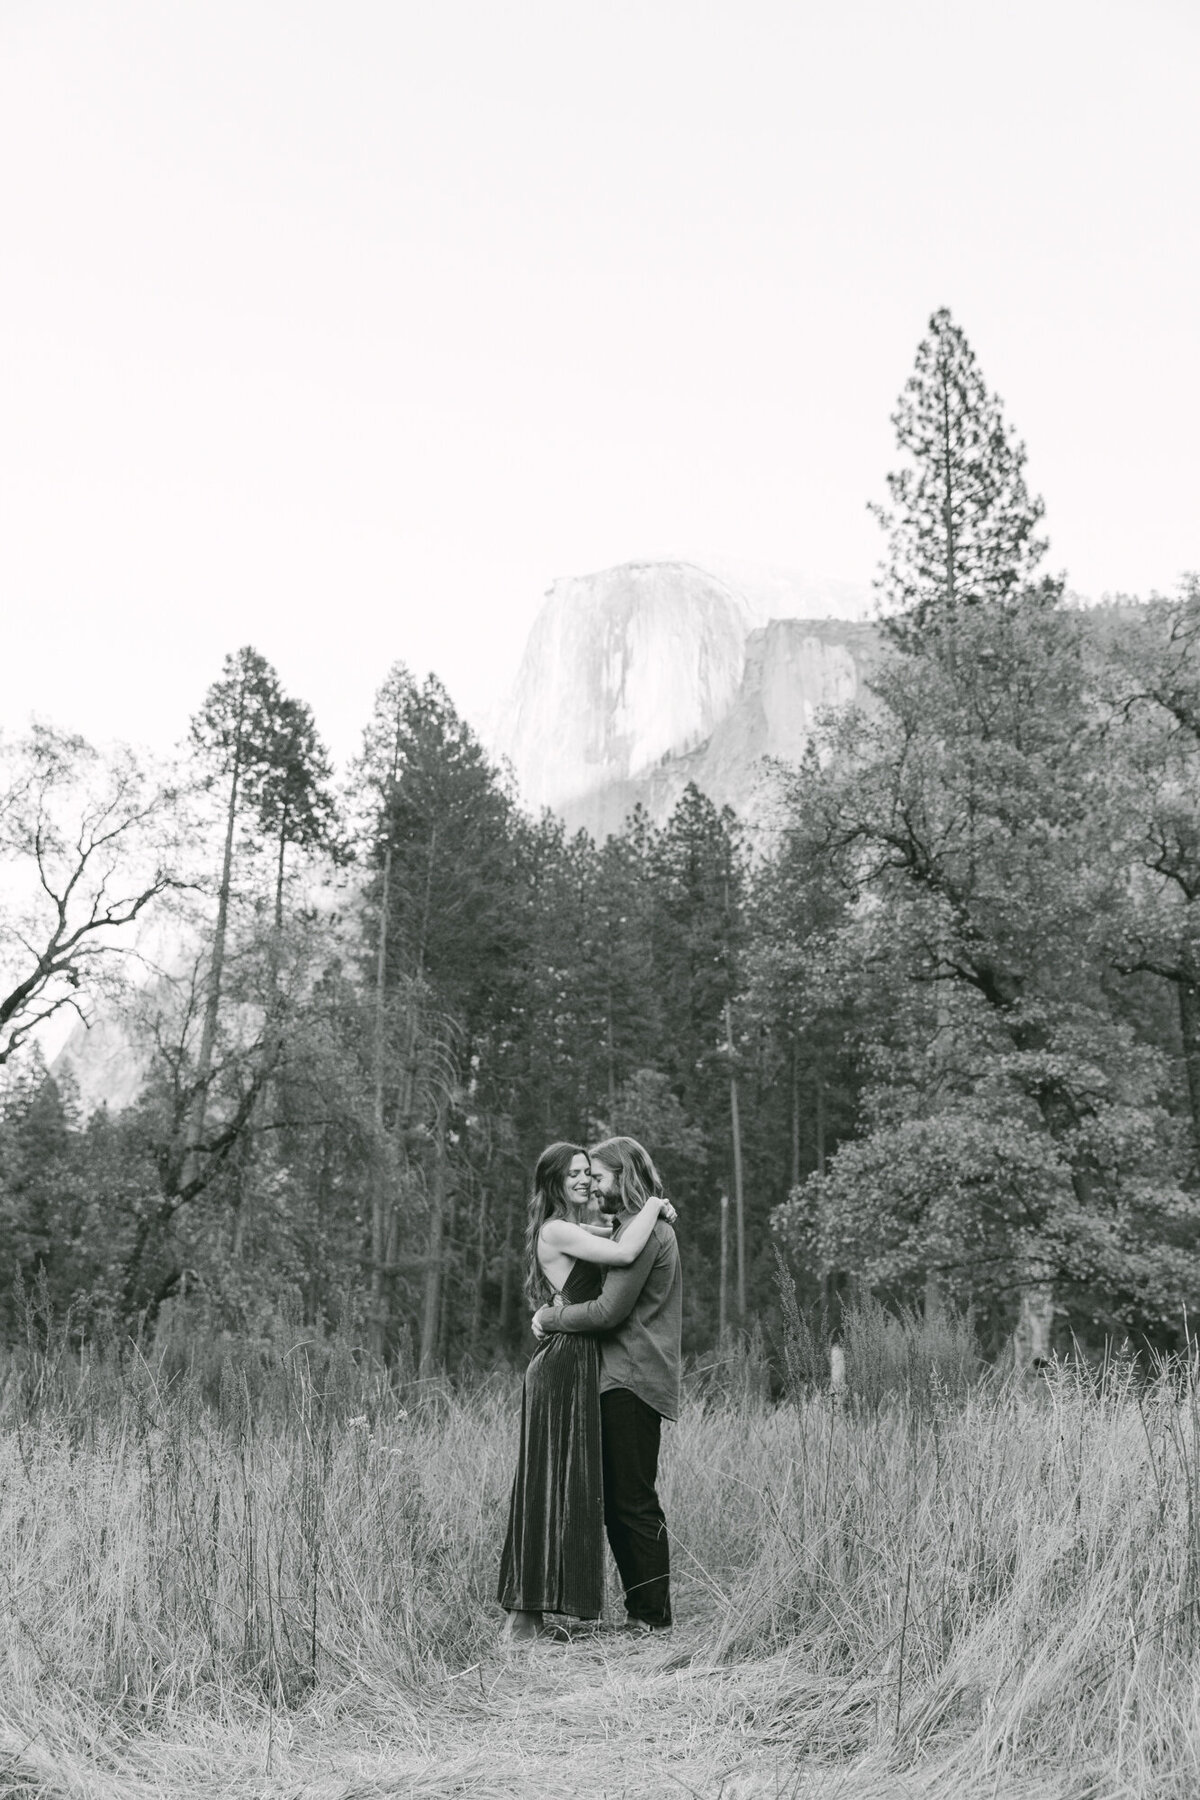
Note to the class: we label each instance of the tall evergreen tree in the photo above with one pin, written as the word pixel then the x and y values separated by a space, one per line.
pixel 699 878
pixel 294 799
pixel 607 958
pixel 802 993
pixel 442 849
pixel 378 772
pixel 235 733
pixel 962 527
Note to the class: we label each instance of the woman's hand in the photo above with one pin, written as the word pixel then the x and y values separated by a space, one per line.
pixel 535 1324
pixel 666 1211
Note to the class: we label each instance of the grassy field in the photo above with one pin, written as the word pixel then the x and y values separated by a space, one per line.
pixel 276 1578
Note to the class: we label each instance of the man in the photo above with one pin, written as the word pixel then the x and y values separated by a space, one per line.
pixel 638 1317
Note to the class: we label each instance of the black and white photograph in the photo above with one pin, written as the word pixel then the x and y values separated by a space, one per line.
pixel 600 900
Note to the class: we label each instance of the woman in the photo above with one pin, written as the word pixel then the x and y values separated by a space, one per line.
pixel 553 1553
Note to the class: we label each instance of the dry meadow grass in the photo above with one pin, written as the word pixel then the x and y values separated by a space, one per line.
pixel 278 1580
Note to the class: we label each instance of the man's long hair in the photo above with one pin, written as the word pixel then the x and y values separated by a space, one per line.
pixel 548 1201
pixel 631 1163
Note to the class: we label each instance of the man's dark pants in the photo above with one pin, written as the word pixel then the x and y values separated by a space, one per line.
pixel 633 1518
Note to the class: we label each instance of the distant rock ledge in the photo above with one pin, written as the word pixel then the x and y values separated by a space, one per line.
pixel 641 678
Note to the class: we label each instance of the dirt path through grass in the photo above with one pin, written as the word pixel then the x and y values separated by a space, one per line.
pixel 601 1719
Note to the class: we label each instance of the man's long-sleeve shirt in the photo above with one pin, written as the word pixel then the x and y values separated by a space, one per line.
pixel 638 1317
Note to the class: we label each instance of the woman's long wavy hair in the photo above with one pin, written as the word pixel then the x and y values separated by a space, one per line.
pixel 548 1201
pixel 631 1163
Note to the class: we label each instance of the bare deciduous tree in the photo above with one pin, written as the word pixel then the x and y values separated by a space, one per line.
pixel 85 847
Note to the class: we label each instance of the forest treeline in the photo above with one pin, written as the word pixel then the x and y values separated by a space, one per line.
pixel 928 1024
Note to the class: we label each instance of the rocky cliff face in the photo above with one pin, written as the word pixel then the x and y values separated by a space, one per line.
pixel 638 680
pixel 621 669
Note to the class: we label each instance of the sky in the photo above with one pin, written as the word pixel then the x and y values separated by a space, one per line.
pixel 344 330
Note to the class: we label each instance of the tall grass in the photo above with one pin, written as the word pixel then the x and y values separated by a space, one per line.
pixel 939 1572
pixel 166 1547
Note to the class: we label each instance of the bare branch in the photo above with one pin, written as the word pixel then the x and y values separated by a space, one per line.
pixel 71 820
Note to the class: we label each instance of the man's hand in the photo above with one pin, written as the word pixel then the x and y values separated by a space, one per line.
pixel 538 1328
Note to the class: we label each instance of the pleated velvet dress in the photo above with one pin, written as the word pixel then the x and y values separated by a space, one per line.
pixel 553 1558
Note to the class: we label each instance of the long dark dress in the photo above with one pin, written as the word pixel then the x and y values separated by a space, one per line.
pixel 553 1559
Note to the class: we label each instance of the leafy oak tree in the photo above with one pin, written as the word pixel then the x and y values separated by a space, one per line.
pixel 1152 687
pixel 1017 1140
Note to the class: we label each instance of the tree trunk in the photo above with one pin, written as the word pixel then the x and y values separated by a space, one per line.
pixel 507 1266
pixel 273 999
pixel 280 867
pixel 274 1037
pixel 212 1003
pixel 942 1058
pixel 819 1125
pixel 1189 1031
pixel 934 1304
pixel 739 1196
pixel 445 1288
pixel 380 1161
pixel 314 1286
pixel 431 1305
pixel 795 1114
pixel 611 1056
pixel 480 1271
pixel 391 1255
pixel 1031 1339
pixel 723 1296
pixel 382 1205
pixel 237 1243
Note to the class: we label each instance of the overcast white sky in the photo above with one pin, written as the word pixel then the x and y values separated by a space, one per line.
pixel 344 329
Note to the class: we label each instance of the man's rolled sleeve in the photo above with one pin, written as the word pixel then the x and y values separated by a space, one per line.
pixel 612 1305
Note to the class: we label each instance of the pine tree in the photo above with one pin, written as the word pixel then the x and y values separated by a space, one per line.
pixel 236 734
pixel 377 774
pixel 699 878
pixel 440 841
pixel 294 801
pixel 799 992
pixel 962 529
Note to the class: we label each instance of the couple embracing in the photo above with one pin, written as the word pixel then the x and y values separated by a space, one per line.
pixel 605 1374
